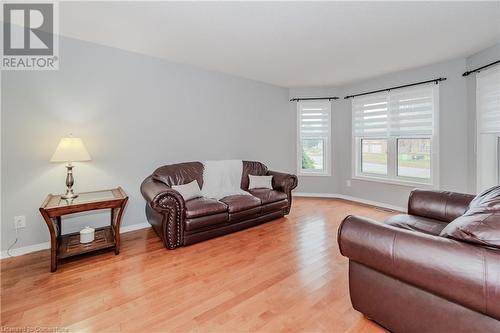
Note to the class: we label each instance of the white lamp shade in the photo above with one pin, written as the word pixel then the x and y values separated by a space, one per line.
pixel 70 150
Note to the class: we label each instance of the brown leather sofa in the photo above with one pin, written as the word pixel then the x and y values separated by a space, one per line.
pixel 408 278
pixel 180 222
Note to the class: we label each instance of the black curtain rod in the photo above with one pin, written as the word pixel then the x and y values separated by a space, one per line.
pixel 479 69
pixel 312 99
pixel 436 81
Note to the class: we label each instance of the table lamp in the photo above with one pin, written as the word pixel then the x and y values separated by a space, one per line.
pixel 70 150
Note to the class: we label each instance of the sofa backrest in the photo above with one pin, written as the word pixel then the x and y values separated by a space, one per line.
pixel 180 173
pixel 251 168
pixel 183 173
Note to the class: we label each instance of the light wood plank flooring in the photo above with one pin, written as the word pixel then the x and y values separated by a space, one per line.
pixel 283 276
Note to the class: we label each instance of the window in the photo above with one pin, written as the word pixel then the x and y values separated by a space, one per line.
pixel 414 158
pixel 314 134
pixel 374 156
pixel 488 127
pixel 395 137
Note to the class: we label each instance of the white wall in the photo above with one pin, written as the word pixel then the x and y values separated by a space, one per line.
pixel 134 113
pixel 456 150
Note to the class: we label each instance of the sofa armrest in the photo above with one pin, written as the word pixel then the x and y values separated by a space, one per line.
pixel 457 271
pixel 170 204
pixel 439 205
pixel 284 182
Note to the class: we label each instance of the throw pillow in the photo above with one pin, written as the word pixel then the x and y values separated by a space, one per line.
pixel 481 222
pixel 188 191
pixel 260 182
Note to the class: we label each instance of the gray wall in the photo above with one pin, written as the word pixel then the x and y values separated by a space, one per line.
pixel 134 114
pixel 475 61
pixel 455 130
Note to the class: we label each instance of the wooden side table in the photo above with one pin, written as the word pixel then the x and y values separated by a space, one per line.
pixel 68 245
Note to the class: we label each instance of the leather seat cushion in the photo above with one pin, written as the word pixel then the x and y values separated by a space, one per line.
pixel 206 221
pixel 274 206
pixel 417 223
pixel 245 214
pixel 239 202
pixel 203 207
pixel 267 195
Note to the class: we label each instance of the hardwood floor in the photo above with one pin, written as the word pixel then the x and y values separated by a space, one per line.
pixel 283 276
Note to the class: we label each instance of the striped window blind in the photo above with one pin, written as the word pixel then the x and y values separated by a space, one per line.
pixel 314 119
pixel 488 100
pixel 370 115
pixel 402 112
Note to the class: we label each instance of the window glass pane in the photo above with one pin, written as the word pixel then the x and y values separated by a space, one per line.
pixel 414 158
pixel 312 154
pixel 374 156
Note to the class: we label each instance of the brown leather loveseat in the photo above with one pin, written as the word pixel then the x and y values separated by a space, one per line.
pixel 180 222
pixel 410 274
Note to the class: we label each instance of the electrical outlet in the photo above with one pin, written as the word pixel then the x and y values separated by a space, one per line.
pixel 348 183
pixel 20 222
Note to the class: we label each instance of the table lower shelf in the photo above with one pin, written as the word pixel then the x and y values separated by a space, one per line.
pixel 70 244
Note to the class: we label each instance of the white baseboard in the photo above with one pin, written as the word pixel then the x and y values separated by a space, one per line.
pixel 46 245
pixel 133 227
pixel 347 197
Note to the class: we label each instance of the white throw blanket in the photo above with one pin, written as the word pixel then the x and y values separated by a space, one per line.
pixel 222 178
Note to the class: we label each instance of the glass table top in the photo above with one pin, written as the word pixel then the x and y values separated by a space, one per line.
pixel 82 198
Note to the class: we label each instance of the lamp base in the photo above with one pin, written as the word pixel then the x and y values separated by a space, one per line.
pixel 69 195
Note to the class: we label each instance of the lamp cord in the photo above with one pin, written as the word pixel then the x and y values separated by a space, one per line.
pixel 12 245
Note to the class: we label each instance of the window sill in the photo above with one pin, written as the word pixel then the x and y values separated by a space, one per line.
pixel 407 183
pixel 313 174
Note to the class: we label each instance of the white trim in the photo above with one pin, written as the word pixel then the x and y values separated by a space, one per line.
pixel 46 245
pixel 391 181
pixel 349 198
pixel 134 227
pixel 26 249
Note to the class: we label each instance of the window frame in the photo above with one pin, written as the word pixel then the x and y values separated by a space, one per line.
pixel 326 172
pixel 392 156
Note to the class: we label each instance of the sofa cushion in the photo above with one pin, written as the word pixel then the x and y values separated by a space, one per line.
pixel 204 206
pixel 260 182
pixel 251 168
pixel 417 223
pixel 276 206
pixel 481 222
pixel 206 221
pixel 188 191
pixel 180 173
pixel 268 196
pixel 239 202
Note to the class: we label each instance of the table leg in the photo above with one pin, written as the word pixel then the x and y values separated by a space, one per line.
pixel 59 230
pixel 53 238
pixel 117 220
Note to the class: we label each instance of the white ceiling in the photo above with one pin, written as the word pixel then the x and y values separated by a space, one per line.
pixel 290 43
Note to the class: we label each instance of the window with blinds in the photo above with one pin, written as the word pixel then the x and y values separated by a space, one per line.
pixel 488 100
pixel 394 133
pixel 402 112
pixel 314 135
pixel 488 127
